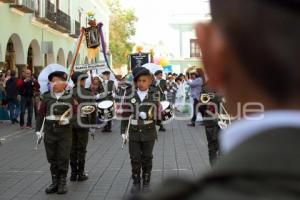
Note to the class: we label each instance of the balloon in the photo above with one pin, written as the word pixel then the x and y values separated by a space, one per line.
pixel 168 68
pixel 164 62
pixel 156 61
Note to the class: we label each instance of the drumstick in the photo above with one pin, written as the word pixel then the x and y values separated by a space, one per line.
pixel 127 132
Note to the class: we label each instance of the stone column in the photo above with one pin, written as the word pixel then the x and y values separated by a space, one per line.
pixel 20 68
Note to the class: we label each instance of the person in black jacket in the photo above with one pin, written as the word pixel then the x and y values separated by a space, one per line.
pixel 80 127
pixel 12 97
pixel 26 88
pixel 138 125
pixel 109 89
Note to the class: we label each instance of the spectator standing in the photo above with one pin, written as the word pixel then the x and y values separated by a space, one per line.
pixel 180 94
pixel 7 75
pixel 195 83
pixel 26 88
pixel 12 97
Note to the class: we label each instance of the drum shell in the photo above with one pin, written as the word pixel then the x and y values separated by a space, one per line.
pixel 167 113
pixel 106 114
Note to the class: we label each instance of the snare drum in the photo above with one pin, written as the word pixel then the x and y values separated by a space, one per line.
pixel 106 110
pixel 167 110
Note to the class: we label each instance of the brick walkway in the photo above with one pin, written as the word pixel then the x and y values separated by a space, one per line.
pixel 24 172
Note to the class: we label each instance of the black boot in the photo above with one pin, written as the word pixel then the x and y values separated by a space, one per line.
pixel 161 128
pixel 146 182
pixel 62 184
pixel 81 174
pixel 136 186
pixel 74 171
pixel 53 187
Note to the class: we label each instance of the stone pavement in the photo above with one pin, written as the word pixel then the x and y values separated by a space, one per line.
pixel 24 172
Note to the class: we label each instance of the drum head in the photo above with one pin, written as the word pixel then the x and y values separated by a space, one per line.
pixel 165 104
pixel 105 104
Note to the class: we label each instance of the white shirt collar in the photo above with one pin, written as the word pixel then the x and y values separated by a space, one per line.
pixel 58 94
pixel 244 129
pixel 142 94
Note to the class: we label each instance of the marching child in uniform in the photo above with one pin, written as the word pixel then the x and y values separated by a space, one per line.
pixel 141 118
pixel 56 107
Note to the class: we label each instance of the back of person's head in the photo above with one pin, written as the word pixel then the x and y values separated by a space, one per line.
pixel 265 36
pixel 13 73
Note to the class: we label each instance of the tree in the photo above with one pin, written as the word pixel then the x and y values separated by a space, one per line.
pixel 122 28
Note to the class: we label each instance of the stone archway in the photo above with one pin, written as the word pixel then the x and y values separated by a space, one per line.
pixel 86 60
pixel 34 56
pixel 69 59
pixel 61 57
pixel 14 55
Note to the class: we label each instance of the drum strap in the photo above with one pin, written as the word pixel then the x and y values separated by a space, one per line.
pixel 145 122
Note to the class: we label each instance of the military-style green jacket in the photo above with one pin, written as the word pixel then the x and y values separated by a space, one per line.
pixel 109 89
pixel 162 88
pixel 138 130
pixel 83 97
pixel 51 106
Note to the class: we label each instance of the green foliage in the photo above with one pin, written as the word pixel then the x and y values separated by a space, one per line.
pixel 122 28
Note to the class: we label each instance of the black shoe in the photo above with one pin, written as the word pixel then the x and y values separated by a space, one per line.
pixel 162 129
pixel 62 185
pixel 81 174
pixel 73 178
pixel 53 187
pixel 82 177
pixel 146 183
pixel 106 131
pixel 191 124
pixel 74 171
pixel 15 120
pixel 136 186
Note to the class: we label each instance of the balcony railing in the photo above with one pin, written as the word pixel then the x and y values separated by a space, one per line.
pixel 63 20
pixel 50 12
pixel 45 12
pixel 75 29
pixel 26 6
pixel 8 1
pixel 55 18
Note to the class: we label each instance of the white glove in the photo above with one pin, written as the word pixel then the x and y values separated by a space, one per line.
pixel 92 130
pixel 97 96
pixel 39 136
pixel 165 92
pixel 143 115
pixel 124 136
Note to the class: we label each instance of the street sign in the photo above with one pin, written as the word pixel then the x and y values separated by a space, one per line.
pixel 139 59
pixel 88 67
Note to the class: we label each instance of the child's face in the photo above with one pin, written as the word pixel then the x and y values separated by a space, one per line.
pixel 159 76
pixel 144 82
pixel 58 84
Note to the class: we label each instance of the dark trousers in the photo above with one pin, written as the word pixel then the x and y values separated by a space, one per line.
pixel 26 104
pixel 80 137
pixel 108 125
pixel 195 110
pixel 58 148
pixel 212 135
pixel 14 108
pixel 141 155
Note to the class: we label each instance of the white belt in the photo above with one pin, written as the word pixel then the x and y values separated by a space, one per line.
pixel 57 118
pixel 145 122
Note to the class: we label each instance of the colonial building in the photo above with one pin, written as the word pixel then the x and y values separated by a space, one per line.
pixel 35 33
pixel 188 52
